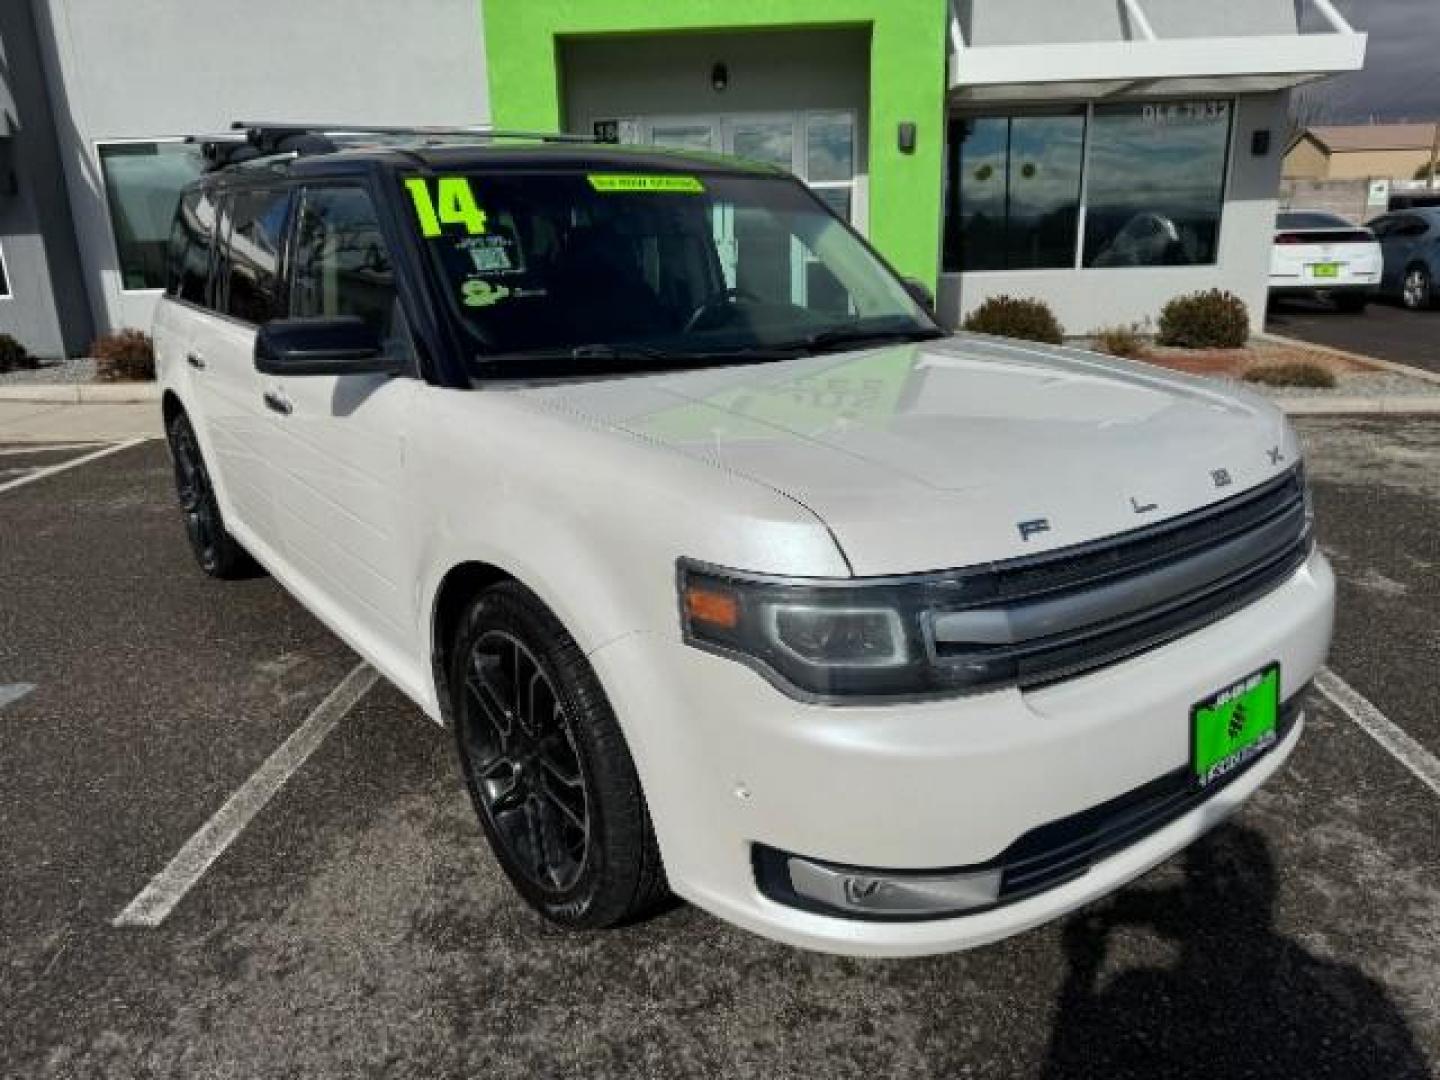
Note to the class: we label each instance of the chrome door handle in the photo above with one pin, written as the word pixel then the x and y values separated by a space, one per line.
pixel 195 361
pixel 276 401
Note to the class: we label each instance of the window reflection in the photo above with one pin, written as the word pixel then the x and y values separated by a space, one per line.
pixel 1153 193
pixel 1015 192
pixel 830 148
pixel 1157 177
pixel 142 187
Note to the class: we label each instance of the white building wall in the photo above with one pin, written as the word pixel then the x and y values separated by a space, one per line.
pixel 145 69
pixel 1089 299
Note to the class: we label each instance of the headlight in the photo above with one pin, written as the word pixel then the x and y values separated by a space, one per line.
pixel 826 640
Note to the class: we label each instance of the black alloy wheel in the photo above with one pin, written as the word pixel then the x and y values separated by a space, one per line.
pixel 217 552
pixel 524 763
pixel 547 767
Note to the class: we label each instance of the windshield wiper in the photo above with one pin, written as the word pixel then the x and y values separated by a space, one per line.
pixel 630 357
pixel 858 335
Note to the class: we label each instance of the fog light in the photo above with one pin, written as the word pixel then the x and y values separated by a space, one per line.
pixel 878 894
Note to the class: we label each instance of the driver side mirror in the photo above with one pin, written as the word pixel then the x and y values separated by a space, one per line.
pixel 342 345
pixel 920 293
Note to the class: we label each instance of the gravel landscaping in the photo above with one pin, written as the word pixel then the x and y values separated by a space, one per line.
pixel 79 370
pixel 1354 378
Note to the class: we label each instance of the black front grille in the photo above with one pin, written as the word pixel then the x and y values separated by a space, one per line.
pixel 1066 848
pixel 1085 607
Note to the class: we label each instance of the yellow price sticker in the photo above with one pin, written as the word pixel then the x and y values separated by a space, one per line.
pixel 645 182
pixel 452 203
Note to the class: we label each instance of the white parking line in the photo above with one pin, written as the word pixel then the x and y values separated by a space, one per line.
pixel 13 692
pixel 51 470
pixel 1381 728
pixel 167 888
pixel 49 448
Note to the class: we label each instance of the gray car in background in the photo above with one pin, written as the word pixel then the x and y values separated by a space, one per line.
pixel 1410 243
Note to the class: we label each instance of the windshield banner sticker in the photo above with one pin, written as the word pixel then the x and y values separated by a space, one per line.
pixel 453 203
pixel 634 182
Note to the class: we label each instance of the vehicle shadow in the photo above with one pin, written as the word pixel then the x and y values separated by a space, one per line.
pixel 1241 1001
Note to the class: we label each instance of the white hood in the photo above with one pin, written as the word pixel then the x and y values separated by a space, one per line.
pixel 930 456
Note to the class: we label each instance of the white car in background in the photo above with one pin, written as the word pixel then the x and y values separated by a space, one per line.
pixel 1317 252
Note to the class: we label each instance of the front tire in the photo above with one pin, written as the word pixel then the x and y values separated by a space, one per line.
pixel 547 768
pixel 218 553
pixel 1416 291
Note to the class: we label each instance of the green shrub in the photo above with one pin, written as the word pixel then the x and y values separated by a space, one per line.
pixel 1292 373
pixel 127 356
pixel 1012 317
pixel 1205 320
pixel 1126 342
pixel 12 354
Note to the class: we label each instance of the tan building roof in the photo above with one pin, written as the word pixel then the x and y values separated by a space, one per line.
pixel 1358 138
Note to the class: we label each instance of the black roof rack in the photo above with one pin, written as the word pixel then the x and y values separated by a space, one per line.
pixel 251 140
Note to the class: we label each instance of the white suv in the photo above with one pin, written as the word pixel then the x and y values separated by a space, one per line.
pixel 732 572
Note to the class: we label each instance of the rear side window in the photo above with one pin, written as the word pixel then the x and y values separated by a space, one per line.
pixel 341 265
pixel 256 232
pixel 191 238
pixel 1311 219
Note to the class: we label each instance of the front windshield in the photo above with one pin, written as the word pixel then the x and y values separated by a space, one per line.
pixel 664 266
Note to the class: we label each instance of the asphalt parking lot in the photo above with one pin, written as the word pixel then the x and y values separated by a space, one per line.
pixel 358 927
pixel 1385 329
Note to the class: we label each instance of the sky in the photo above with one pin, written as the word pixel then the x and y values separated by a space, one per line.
pixel 1401 80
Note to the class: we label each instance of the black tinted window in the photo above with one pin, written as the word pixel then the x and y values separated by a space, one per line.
pixel 1310 219
pixel 341 265
pixel 257 228
pixel 1156 183
pixel 190 239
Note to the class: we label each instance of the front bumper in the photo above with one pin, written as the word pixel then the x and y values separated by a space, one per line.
pixel 728 763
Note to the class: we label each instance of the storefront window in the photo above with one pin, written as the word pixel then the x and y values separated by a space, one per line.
pixel 1014 192
pixel 1157 179
pixel 1153 187
pixel 142 187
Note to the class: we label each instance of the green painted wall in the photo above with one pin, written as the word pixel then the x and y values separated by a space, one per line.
pixel 907 82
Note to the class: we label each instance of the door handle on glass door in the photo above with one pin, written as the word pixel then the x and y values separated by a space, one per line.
pixel 276 401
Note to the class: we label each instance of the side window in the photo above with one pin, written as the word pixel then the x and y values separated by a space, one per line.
pixel 220 264
pixel 340 264
pixel 257 230
pixel 191 236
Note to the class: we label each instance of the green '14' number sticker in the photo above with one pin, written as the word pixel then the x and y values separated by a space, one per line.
pixel 453 203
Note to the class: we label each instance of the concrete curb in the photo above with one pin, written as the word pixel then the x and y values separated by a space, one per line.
pixel 1359 358
pixel 1360 406
pixel 81 393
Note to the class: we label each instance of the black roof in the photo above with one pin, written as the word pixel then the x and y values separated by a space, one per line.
pixel 460 156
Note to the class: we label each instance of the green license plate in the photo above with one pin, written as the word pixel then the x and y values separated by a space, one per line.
pixel 1326 269
pixel 1235 725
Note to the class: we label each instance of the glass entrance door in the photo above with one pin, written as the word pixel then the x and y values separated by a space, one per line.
pixel 817 147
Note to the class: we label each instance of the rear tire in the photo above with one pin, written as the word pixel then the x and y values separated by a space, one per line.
pixel 218 553
pixel 1417 289
pixel 547 767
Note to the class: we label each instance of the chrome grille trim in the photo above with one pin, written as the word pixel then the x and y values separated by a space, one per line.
pixel 1056 616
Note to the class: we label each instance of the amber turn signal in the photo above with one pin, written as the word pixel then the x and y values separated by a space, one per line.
pixel 715 608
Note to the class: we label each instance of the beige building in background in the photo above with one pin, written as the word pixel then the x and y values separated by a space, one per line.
pixel 1361 151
